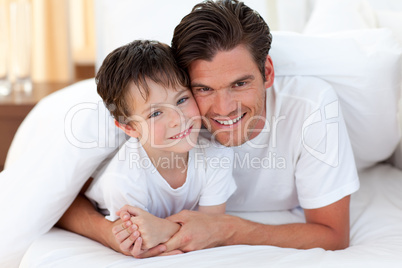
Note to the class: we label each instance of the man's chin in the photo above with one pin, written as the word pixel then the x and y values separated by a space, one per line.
pixel 228 139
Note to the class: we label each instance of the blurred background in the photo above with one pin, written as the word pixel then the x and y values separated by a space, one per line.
pixel 63 37
pixel 46 45
pixel 69 38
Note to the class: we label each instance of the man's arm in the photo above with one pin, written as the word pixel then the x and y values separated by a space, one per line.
pixel 82 218
pixel 326 228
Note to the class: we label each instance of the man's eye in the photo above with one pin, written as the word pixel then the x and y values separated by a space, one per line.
pixel 155 114
pixel 204 89
pixel 182 100
pixel 240 84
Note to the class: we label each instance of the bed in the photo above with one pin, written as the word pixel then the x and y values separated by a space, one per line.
pixel 376 238
pixel 68 133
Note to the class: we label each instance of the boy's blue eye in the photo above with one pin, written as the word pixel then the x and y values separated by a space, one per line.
pixel 182 100
pixel 154 114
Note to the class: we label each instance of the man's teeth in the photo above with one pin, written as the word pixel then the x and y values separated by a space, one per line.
pixel 181 134
pixel 230 121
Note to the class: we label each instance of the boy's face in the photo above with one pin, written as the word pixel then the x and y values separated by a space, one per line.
pixel 230 94
pixel 168 121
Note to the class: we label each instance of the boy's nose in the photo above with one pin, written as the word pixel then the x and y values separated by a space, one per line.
pixel 176 118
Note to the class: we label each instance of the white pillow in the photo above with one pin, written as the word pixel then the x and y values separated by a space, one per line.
pixel 392 20
pixel 364 67
pixel 57 147
pixel 330 16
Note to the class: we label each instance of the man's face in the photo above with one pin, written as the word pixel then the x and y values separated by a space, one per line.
pixel 230 93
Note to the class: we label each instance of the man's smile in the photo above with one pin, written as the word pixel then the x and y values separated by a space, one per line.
pixel 229 122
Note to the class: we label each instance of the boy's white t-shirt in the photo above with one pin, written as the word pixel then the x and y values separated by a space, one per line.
pixel 131 178
pixel 303 156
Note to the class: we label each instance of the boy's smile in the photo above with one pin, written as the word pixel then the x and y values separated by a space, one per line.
pixel 182 134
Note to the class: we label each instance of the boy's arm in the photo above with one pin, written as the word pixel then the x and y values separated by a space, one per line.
pixel 218 209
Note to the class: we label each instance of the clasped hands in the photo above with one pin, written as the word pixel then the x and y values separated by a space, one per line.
pixel 141 234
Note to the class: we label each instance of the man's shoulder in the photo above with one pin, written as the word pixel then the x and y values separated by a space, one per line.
pixel 307 88
pixel 309 91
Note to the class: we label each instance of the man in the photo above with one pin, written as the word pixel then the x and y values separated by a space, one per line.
pixel 290 142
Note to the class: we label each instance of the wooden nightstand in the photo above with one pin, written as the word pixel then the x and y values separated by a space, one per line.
pixel 14 108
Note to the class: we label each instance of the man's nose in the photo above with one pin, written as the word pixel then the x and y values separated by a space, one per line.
pixel 224 103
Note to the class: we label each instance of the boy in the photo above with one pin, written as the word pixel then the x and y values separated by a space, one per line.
pixel 164 167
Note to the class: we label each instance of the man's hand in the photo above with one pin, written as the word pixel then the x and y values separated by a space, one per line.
pixel 83 219
pixel 126 235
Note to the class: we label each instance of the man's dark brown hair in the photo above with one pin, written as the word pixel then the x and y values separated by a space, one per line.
pixel 134 63
pixel 221 26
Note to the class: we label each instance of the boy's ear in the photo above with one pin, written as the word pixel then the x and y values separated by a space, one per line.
pixel 129 130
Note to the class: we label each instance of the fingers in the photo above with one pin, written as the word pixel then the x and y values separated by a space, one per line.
pixel 173 243
pixel 125 235
pixel 136 250
pixel 129 209
pixel 127 244
pixel 124 215
pixel 180 217
pixel 124 226
pixel 173 252
pixel 152 252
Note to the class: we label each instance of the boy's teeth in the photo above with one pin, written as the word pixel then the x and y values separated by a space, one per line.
pixel 181 135
pixel 229 122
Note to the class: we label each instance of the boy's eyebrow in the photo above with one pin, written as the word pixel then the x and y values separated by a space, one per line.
pixel 149 106
pixel 179 92
pixel 245 77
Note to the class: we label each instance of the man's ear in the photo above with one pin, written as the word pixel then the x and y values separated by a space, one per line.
pixel 269 72
pixel 129 130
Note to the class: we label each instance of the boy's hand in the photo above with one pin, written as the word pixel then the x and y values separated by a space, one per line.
pixel 153 230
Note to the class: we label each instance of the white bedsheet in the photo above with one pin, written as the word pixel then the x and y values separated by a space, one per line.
pixel 376 238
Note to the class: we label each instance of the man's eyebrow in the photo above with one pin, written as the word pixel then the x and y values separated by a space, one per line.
pixel 246 77
pixel 243 78
pixel 197 85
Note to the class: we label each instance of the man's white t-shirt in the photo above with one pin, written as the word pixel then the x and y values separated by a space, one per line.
pixel 303 156
pixel 131 178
